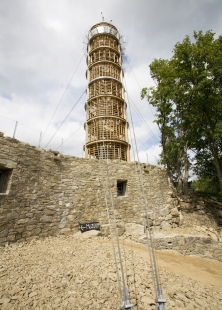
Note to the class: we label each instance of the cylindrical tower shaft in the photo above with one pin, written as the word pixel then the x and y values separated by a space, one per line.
pixel 106 126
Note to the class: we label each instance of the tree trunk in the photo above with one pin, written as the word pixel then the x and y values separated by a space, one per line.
pixel 218 168
pixel 186 171
pixel 179 174
pixel 169 170
pixel 169 174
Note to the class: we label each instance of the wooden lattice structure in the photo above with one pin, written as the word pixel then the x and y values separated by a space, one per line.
pixel 106 126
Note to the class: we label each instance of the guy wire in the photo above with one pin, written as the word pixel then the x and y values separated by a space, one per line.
pixel 144 223
pixel 70 136
pixel 100 154
pixel 158 287
pixel 137 82
pixel 62 97
pixel 152 258
pixel 65 118
pixel 116 231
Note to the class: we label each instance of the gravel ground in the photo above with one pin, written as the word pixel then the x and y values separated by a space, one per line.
pixel 77 273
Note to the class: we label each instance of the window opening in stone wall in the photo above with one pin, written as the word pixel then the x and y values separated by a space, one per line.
pixel 5 175
pixel 121 188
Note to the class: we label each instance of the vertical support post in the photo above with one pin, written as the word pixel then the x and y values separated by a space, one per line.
pixel 118 155
pixel 40 138
pixel 62 146
pixel 147 158
pixel 16 124
pixel 156 160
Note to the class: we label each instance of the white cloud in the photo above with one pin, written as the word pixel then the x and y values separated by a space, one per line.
pixel 41 44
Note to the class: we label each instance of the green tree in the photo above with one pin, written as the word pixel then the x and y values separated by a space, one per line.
pixel 188 100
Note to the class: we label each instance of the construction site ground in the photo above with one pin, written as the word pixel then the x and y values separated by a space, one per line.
pixel 69 272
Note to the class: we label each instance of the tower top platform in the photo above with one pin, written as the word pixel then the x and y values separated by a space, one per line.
pixel 103 28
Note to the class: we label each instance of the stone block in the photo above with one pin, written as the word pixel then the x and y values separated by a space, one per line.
pixel 212 235
pixel 88 234
pixel 174 212
pixel 120 228
pixel 46 218
pixel 36 231
pixel 23 221
pixel 65 231
pixel 134 229
pixel 49 212
pixel 175 220
pixel 62 224
pixel 105 230
pixel 12 216
pixel 165 225
pixel 168 217
pixel 30 227
pixel 11 237
pixel 4 233
pixel 181 242
pixel 71 217
pixel 165 211
pixel 2 240
pixel 186 206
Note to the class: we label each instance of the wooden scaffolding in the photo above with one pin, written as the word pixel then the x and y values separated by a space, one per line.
pixel 106 126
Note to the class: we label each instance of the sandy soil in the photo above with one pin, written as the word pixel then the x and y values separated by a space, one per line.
pixel 204 270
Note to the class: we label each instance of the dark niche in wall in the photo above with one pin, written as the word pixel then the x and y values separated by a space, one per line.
pixel 5 176
pixel 121 188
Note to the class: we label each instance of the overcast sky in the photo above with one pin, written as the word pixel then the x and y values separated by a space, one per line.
pixel 41 45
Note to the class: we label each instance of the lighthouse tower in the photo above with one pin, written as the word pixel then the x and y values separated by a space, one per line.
pixel 106 126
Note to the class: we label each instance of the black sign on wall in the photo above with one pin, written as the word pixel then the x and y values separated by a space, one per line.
pixel 89 226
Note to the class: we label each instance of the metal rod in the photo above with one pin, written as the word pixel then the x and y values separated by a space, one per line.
pixel 16 123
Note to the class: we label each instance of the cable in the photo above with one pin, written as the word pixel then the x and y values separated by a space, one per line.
pixel 8 118
pixel 160 302
pixel 138 83
pixel 145 207
pixel 65 118
pixel 62 97
pixel 140 115
pixel 133 74
pixel 19 123
pixel 69 137
pixel 145 146
pixel 138 112
pixel 101 156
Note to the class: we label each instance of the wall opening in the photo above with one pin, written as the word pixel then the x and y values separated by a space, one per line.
pixel 5 175
pixel 121 188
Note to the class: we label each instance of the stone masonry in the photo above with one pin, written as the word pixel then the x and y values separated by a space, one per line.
pixel 48 194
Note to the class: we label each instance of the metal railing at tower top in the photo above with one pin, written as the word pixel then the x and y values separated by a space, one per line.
pixel 109 29
pixel 103 27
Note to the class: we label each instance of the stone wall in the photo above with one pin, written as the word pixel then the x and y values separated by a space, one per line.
pixel 45 193
pixel 193 203
pixel 187 244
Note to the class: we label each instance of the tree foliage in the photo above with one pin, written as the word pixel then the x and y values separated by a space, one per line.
pixel 188 101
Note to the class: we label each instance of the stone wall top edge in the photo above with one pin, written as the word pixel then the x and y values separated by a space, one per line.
pixel 10 140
